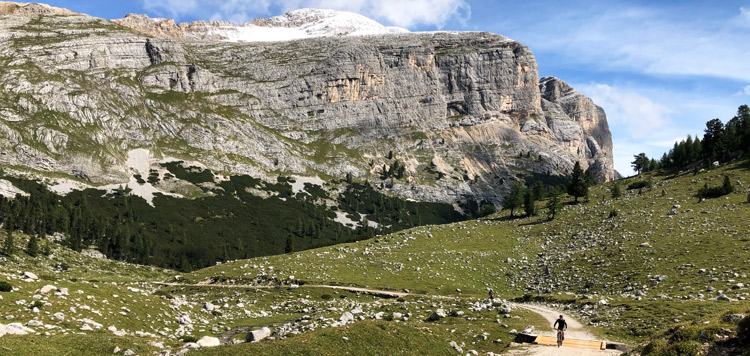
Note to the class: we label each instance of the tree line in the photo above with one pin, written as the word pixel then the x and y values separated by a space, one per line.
pixel 521 196
pixel 721 142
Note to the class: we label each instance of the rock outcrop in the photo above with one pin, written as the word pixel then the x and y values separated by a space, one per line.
pixel 465 113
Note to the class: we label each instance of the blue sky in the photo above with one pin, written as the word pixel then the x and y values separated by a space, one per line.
pixel 660 69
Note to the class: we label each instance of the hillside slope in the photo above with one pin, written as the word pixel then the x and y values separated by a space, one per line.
pixel 667 265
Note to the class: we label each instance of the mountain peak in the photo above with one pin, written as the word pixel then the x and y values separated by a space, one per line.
pixel 26 9
pixel 295 24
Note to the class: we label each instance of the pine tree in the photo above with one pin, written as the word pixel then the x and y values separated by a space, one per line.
pixel 539 192
pixel 528 204
pixel 577 187
pixel 616 191
pixel 289 245
pixel 588 177
pixel 33 247
pixel 9 247
pixel 514 199
pixel 553 204
pixel 727 187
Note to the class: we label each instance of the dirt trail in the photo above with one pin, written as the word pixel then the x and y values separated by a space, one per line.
pixel 576 330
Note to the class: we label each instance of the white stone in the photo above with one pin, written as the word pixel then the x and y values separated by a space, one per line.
pixel 208 341
pixel 46 289
pixel 257 335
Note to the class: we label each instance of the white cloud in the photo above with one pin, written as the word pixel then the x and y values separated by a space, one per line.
pixel 171 8
pixel 647 40
pixel 629 111
pixel 745 91
pixel 745 14
pixel 404 13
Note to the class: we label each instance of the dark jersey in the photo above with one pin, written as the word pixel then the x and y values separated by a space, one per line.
pixel 560 324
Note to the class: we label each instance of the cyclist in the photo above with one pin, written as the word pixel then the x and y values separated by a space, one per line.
pixel 560 325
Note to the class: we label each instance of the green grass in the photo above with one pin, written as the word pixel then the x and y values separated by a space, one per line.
pixel 586 254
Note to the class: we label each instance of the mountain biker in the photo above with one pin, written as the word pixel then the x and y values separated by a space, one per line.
pixel 560 325
pixel 492 295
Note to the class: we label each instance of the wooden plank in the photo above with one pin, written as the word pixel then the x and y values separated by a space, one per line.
pixel 581 344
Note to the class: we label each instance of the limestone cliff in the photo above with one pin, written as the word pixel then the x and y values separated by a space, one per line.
pixel 465 112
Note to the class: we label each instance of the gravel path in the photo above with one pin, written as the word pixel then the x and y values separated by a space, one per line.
pixel 576 330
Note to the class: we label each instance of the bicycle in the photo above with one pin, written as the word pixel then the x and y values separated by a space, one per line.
pixel 560 337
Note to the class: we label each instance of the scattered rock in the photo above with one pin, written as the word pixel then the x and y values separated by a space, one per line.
pixel 456 347
pixel 257 335
pixel 208 341
pixel 436 315
pixel 30 276
pixel 46 289
pixel 733 318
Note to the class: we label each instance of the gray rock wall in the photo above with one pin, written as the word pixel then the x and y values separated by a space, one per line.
pixel 467 108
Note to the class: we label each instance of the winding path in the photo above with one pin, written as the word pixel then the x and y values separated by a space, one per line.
pixel 576 330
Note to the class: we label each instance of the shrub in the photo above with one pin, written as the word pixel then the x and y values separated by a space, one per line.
pixel 686 348
pixel 189 338
pixel 486 210
pixel 613 213
pixel 655 347
pixel 685 334
pixel 639 184
pixel 743 331
pixel 5 287
pixel 715 192
pixel 326 297
pixel 36 304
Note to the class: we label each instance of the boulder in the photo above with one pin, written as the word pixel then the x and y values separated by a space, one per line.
pixel 455 346
pixel 346 318
pixel 184 319
pixel 723 298
pixel 208 341
pixel 436 315
pixel 46 289
pixel 34 323
pixel 14 329
pixel 30 276
pixel 506 308
pixel 733 318
pixel 257 335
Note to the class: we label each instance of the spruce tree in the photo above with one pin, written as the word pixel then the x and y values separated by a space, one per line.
pixel 514 199
pixel 539 192
pixel 9 247
pixel 289 245
pixel 616 191
pixel 577 187
pixel 33 247
pixel 528 204
pixel 553 204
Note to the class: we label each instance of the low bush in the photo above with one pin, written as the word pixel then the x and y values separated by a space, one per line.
pixel 743 331
pixel 326 297
pixel 5 287
pixel 189 338
pixel 639 184
pixel 715 192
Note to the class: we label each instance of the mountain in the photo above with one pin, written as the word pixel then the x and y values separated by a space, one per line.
pixel 460 114
pixel 296 24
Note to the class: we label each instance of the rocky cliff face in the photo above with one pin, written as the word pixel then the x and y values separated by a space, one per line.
pixel 465 113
